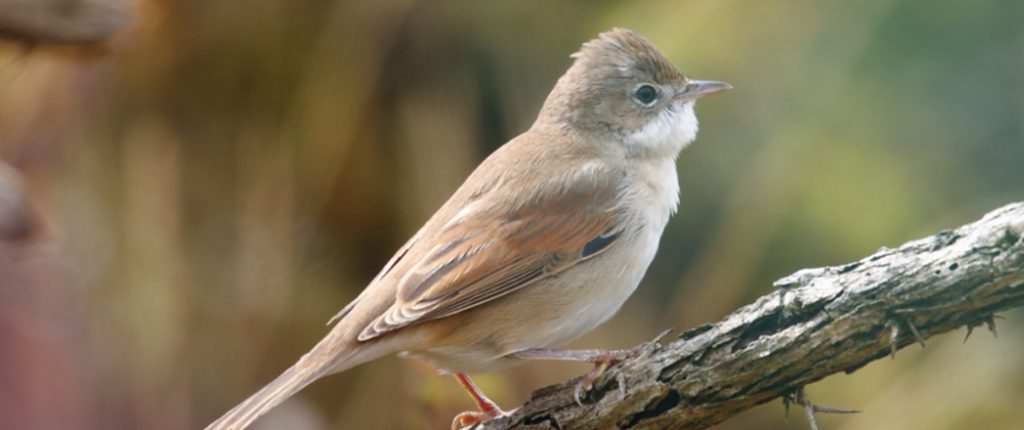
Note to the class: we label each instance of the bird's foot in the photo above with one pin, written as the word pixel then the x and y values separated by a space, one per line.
pixel 487 408
pixel 602 359
pixel 469 419
pixel 587 381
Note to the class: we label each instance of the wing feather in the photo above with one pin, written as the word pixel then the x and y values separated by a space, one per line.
pixel 492 250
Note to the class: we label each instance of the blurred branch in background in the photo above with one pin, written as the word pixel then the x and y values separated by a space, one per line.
pixel 39 331
pixel 821 321
pixel 16 215
pixel 63 21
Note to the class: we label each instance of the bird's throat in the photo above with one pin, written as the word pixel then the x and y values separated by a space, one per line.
pixel 666 134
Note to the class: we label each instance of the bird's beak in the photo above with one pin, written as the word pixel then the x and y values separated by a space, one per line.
pixel 695 89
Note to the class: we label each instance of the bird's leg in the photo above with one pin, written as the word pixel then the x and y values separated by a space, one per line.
pixel 483 403
pixel 601 358
pixel 488 409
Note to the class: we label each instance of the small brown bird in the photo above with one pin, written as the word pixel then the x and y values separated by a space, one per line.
pixel 543 242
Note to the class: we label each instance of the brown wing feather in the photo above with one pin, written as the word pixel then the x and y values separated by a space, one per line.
pixel 490 252
pixel 383 272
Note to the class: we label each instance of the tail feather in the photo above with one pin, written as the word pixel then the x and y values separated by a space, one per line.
pixel 333 354
pixel 280 389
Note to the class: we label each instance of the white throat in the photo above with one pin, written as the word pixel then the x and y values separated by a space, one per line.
pixel 669 132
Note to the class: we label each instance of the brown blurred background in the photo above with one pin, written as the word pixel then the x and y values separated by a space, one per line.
pixel 217 181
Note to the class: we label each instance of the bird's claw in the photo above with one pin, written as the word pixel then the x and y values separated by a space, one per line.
pixel 470 419
pixel 606 360
pixel 587 381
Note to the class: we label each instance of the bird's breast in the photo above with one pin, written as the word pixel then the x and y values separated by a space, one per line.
pixel 653 192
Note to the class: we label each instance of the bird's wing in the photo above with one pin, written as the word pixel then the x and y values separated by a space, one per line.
pixel 489 250
pixel 383 272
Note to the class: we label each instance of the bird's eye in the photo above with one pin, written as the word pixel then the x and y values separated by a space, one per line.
pixel 646 94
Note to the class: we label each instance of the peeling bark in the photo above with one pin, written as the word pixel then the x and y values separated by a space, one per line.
pixel 818 322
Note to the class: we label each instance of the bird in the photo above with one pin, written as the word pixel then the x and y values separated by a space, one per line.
pixel 543 242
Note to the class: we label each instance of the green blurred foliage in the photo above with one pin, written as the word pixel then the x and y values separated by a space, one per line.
pixel 230 174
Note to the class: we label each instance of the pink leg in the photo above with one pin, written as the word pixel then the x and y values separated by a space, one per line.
pixel 488 409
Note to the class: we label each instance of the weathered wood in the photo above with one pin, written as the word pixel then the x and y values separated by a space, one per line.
pixel 819 322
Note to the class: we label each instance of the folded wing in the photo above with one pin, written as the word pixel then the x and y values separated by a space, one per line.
pixel 487 251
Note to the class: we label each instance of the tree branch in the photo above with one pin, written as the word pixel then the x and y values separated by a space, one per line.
pixel 819 322
pixel 63 21
pixel 17 220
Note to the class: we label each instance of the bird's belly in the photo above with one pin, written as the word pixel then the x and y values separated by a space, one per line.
pixel 550 313
pixel 594 295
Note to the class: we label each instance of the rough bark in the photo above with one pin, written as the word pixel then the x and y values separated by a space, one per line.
pixel 63 21
pixel 818 322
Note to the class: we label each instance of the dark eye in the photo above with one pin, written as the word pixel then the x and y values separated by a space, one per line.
pixel 646 94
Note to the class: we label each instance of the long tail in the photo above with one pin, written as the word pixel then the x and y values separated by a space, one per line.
pixel 331 355
pixel 280 389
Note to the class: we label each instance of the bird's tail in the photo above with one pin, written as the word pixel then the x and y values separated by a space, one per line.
pixel 280 389
pixel 331 355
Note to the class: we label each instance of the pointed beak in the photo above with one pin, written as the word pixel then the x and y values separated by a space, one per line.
pixel 695 89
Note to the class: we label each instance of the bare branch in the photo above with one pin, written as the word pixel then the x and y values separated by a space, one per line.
pixel 820 321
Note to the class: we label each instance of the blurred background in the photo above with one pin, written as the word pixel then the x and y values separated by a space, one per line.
pixel 208 188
